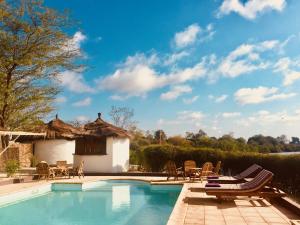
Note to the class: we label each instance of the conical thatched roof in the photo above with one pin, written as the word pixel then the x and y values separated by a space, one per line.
pixel 58 129
pixel 101 128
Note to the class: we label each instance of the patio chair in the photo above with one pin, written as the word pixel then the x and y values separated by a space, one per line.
pixel 77 171
pixel 256 187
pixel 206 169
pixel 43 170
pixel 189 165
pixel 216 170
pixel 173 171
pixel 62 167
pixel 250 172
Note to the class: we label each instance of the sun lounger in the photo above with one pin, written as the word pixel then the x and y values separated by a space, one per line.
pixel 239 178
pixel 256 187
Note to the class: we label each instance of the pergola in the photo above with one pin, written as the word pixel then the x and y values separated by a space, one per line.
pixel 13 136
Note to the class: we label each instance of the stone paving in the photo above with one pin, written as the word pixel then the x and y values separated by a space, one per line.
pixel 196 208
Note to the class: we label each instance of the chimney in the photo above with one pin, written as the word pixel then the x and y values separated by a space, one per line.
pixel 99 115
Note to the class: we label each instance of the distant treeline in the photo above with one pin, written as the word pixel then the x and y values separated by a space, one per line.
pixel 257 143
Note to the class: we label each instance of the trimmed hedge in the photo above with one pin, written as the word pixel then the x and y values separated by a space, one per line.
pixel 285 168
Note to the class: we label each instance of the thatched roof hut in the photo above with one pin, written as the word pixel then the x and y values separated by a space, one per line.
pixel 55 129
pixel 100 128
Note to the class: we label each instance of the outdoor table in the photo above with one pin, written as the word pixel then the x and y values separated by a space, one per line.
pixel 60 170
pixel 196 171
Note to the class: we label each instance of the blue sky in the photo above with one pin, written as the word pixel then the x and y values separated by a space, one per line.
pixel 219 65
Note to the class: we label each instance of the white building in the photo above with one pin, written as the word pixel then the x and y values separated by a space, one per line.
pixel 103 147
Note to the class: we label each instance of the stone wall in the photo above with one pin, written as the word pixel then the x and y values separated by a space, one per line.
pixel 23 153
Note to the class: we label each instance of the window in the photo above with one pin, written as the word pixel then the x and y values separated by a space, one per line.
pixel 90 146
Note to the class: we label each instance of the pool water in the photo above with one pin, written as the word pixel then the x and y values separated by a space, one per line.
pixel 111 203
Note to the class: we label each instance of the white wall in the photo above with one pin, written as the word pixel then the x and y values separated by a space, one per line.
pixel 97 163
pixel 116 160
pixel 120 161
pixel 54 150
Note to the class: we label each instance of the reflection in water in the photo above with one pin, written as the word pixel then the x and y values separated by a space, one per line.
pixel 117 203
pixel 120 197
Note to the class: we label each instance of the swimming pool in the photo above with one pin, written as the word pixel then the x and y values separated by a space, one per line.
pixel 114 202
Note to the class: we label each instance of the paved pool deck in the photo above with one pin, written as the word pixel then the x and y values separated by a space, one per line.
pixel 193 206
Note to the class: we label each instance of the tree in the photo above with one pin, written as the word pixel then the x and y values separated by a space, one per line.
pixel 34 49
pixel 160 136
pixel 123 117
pixel 295 140
pixel 78 123
pixel 282 139
pixel 195 138
pixel 178 141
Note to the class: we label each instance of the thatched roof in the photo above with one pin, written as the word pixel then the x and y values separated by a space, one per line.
pixel 58 129
pixel 101 128
pixel 55 129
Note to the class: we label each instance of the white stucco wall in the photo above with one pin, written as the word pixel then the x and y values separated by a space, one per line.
pixel 54 150
pixel 120 161
pixel 116 160
pixel 97 163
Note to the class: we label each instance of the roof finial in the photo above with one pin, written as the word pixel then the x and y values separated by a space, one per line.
pixel 99 115
pixel 56 116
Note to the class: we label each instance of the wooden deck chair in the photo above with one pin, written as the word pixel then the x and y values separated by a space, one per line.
pixel 206 169
pixel 63 167
pixel 173 171
pixel 256 187
pixel 43 170
pixel 77 171
pixel 188 166
pixel 216 169
pixel 250 172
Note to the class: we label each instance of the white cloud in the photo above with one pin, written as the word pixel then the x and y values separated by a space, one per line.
pixel 61 99
pixel 188 36
pixel 266 117
pixel 231 114
pixel 84 102
pixel 175 92
pixel 118 97
pixel 137 76
pixel 245 59
pixel 175 57
pixel 190 100
pixel 222 98
pixel 184 117
pixel 288 68
pixel 74 82
pixel 190 116
pixel 218 99
pixel 260 95
pixel 251 8
pixel 75 42
pixel 193 33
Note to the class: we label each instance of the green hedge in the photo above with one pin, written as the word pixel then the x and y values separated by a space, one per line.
pixel 285 168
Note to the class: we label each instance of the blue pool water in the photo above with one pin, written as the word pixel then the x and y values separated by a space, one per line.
pixel 112 203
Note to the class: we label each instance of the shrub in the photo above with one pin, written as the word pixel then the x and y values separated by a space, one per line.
pixel 11 167
pixel 285 168
pixel 33 161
